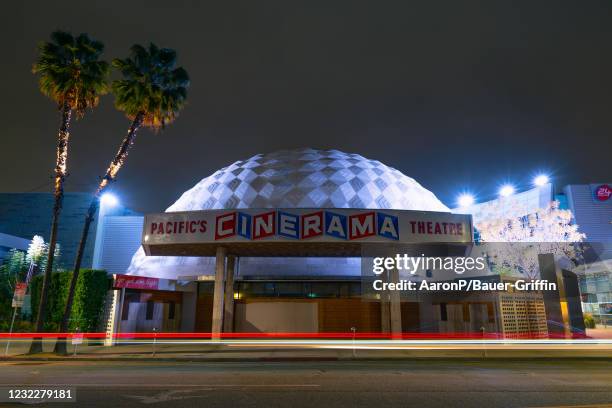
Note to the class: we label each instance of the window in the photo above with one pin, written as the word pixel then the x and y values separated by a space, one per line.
pixel 125 313
pixel 257 289
pixel 443 313
pixel 171 308
pixel 206 288
pixel 324 290
pixel 129 297
pixel 150 309
pixel 270 289
pixel 297 289
pixel 290 289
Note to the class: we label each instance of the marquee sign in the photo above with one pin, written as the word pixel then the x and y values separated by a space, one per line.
pixel 305 225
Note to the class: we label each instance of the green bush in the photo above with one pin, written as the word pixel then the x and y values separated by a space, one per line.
pixel 12 270
pixel 88 299
pixel 20 326
pixel 589 321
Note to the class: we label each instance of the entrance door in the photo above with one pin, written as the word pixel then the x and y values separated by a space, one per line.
pixel 204 307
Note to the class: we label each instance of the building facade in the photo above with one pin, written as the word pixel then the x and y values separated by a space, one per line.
pixel 292 227
pixel 27 214
pixel 238 253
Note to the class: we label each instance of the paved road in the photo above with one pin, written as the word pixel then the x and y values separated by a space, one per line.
pixel 324 384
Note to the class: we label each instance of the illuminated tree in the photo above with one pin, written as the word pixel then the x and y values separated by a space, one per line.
pixel 36 255
pixel 36 250
pixel 514 244
pixel 71 74
pixel 151 93
pixel 41 265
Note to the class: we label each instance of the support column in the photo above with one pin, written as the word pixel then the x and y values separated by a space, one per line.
pixel 228 316
pixel 555 302
pixel 188 309
pixel 395 307
pixel 385 325
pixel 217 315
pixel 114 315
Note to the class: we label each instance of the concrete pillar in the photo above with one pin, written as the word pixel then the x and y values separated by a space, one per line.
pixel 188 309
pixel 228 316
pixel 385 322
pixel 395 307
pixel 555 301
pixel 217 315
pixel 113 324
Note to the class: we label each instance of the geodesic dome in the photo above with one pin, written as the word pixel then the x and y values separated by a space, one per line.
pixel 299 178
pixel 308 178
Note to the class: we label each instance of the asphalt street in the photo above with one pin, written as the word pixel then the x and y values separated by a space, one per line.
pixel 423 383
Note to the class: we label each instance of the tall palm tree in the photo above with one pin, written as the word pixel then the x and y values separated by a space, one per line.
pixel 71 74
pixel 152 92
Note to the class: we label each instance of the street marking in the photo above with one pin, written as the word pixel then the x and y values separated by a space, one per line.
pixel 166 396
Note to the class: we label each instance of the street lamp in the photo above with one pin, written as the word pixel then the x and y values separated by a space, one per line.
pixel 109 200
pixel 540 180
pixel 506 190
pixel 465 200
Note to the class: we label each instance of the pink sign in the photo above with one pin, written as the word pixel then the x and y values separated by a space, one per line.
pixel 135 282
pixel 603 192
pixel 19 294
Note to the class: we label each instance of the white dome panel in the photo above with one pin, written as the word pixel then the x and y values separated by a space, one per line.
pixel 300 178
pixel 307 177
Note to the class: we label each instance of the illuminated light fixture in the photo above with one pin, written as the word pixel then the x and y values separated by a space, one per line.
pixel 465 200
pixel 506 190
pixel 109 200
pixel 540 180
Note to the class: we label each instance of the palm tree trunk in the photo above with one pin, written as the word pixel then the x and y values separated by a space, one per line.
pixel 111 174
pixel 60 176
pixel 60 344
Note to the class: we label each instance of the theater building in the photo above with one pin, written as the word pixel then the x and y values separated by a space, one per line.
pixel 276 243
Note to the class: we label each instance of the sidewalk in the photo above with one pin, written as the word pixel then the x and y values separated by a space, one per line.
pixel 309 352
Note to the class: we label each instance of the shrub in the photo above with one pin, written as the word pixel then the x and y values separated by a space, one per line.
pixel 88 301
pixel 589 321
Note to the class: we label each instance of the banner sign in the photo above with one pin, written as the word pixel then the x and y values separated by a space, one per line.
pixel 19 294
pixel 602 192
pixel 315 225
pixel 135 282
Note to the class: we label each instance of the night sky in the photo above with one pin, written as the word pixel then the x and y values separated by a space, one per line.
pixel 456 94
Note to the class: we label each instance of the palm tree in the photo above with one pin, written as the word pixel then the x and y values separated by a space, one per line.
pixel 152 92
pixel 71 74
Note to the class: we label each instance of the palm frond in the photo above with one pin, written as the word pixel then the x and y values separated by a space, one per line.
pixel 152 85
pixel 70 70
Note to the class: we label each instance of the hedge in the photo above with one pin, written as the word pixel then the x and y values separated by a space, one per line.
pixel 589 321
pixel 88 304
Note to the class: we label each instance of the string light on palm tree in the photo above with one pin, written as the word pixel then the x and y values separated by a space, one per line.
pixel 72 74
pixel 151 93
